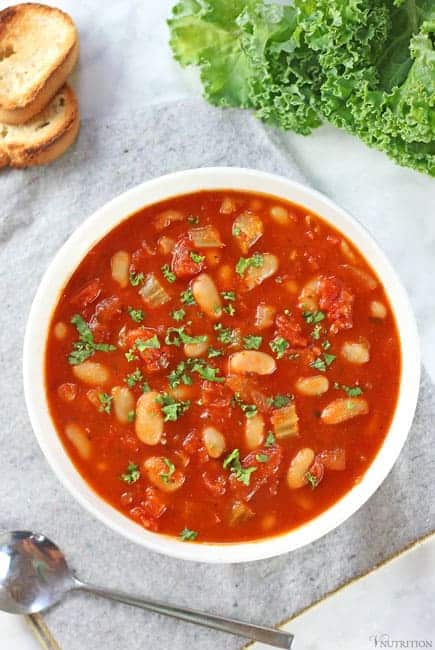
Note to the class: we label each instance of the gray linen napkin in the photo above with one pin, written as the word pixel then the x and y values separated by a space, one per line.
pixel 39 208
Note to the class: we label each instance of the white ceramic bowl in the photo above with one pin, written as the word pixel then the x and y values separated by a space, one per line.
pixel 98 225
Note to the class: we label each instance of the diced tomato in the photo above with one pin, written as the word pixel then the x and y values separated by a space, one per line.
pixel 154 503
pixel 334 459
pixel 155 359
pixel 214 479
pixel 106 310
pixel 193 446
pixel 87 295
pixel 182 263
pixel 290 330
pixel 214 394
pixel 67 391
pixel 200 511
pixel 141 515
pixel 264 475
pixel 248 391
pixel 317 470
pixel 337 301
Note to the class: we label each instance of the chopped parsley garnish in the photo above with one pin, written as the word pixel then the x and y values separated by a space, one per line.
pixel 245 262
pixel 278 279
pixel 262 458
pixel 242 474
pixel 313 316
pixel 106 402
pixel 85 346
pixel 133 378
pixel 146 387
pixel 248 409
pixel 172 409
pixel 270 440
pixel 228 295
pixel 351 391
pixel 188 535
pixel 252 342
pixel 214 352
pixel 322 363
pixel 130 355
pixel 179 376
pixel 326 345
pixel 166 476
pixel 132 474
pixel 311 479
pixel 236 230
pixel 192 219
pixel 152 343
pixel 131 416
pixel 278 345
pixel 167 273
pixel 187 298
pixel 224 334
pixel 178 314
pixel 204 370
pixel 196 257
pixel 136 315
pixel 279 401
pixel 317 330
pixel 136 278
pixel 230 310
pixel 177 336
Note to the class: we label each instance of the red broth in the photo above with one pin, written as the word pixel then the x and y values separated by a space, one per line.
pixel 222 366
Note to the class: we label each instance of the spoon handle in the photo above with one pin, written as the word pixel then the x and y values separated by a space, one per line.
pixel 268 635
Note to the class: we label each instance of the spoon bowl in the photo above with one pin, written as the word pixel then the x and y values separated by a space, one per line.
pixel 34 574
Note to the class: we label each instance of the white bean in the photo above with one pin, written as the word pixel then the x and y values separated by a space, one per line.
pixel 196 349
pixel 123 403
pixel 207 296
pixel 165 245
pixel 149 419
pixel 247 361
pixel 256 275
pixel 264 316
pixel 78 437
pixel 309 296
pixel 356 352
pixel 254 431
pixel 92 373
pixel 279 214
pixel 60 331
pixel 214 442
pixel 166 218
pixel 377 309
pixel 120 266
pixel 247 230
pixel 343 409
pixel 299 466
pixel 158 473
pixel 312 386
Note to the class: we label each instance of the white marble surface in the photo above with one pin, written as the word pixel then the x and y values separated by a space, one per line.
pixel 126 64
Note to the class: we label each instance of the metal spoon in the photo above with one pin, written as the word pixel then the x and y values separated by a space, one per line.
pixel 34 575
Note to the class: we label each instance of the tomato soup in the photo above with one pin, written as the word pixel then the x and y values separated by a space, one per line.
pixel 222 366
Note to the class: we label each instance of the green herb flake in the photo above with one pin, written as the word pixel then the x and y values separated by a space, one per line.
pixel 178 314
pixel 317 330
pixel 214 352
pixel 152 343
pixel 228 295
pixel 167 273
pixel 146 387
pixel 172 409
pixel 252 342
pixel 132 474
pixel 352 391
pixel 242 474
pixel 136 315
pixel 166 476
pixel 187 535
pixel 179 376
pixel 196 257
pixel 130 355
pixel 236 230
pixel 312 480
pixel 192 219
pixel 85 347
pixel 187 298
pixel 279 345
pixel 224 334
pixel 136 278
pixel 262 458
pixel 204 370
pixel 131 416
pixel 176 336
pixel 106 402
pixel 244 263
pixel 228 309
pixel 326 345
pixel 313 316
pixel 279 401
pixel 133 378
pixel 270 440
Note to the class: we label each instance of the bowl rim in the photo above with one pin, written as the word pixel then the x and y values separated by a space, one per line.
pixel 101 222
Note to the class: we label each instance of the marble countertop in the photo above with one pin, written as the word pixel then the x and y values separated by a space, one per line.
pixel 125 65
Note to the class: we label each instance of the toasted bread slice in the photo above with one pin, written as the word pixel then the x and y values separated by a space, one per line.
pixel 38 50
pixel 45 137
